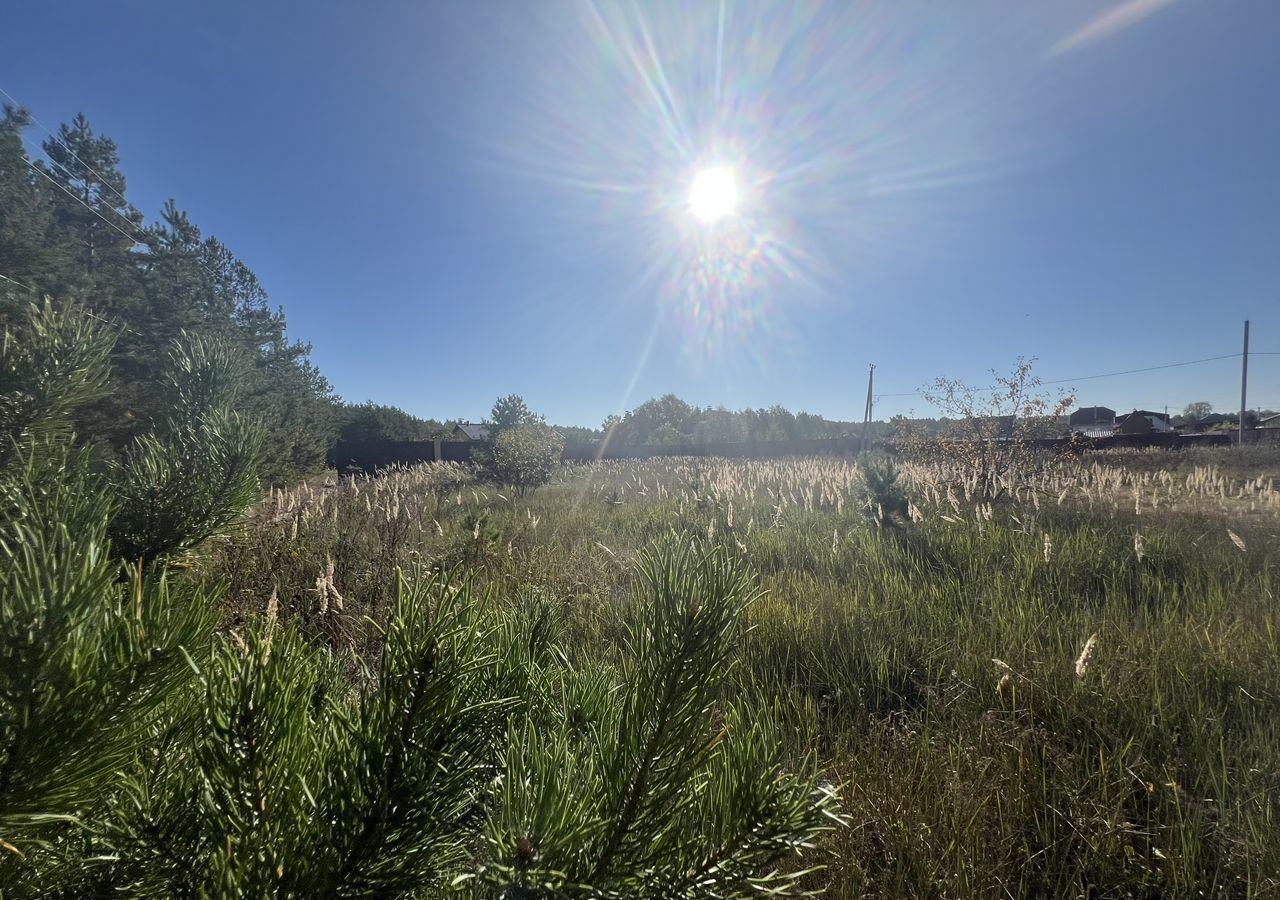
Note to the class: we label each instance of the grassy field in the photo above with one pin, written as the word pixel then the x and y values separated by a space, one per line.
pixel 1070 691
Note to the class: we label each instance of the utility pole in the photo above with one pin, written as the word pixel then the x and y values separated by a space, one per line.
pixel 866 414
pixel 1244 379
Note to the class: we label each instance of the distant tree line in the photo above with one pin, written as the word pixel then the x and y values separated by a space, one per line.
pixel 670 420
pixel 374 422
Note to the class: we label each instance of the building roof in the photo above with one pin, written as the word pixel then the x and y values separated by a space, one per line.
pixel 1092 415
pixel 1140 421
pixel 1134 423
pixel 472 431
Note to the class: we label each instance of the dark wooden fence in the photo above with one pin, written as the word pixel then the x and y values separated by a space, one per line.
pixel 370 456
pixel 733 449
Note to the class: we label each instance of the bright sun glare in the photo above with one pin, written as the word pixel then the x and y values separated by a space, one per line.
pixel 713 195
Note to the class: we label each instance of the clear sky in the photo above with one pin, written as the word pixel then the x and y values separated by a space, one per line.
pixel 458 200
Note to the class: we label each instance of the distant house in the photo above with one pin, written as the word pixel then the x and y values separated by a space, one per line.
pixel 1143 421
pixel 1270 422
pixel 1093 421
pixel 470 431
pixel 1212 421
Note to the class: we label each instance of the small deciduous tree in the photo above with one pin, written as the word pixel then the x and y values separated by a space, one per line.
pixel 525 456
pixel 990 436
pixel 1194 412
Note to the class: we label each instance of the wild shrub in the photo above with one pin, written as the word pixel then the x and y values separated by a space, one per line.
pixel 989 442
pixel 525 456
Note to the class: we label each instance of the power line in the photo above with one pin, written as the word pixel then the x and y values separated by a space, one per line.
pixel 59 140
pixel 1190 362
pixel 1173 365
pixel 140 240
pixel 88 312
pixel 25 287
pixel 53 181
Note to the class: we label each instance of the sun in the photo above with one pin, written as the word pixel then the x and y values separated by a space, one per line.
pixel 713 195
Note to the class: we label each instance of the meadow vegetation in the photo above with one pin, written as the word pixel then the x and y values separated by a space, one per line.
pixel 1069 691
pixel 1043 677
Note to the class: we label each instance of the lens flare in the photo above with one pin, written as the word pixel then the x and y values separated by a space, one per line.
pixel 713 195
pixel 740 161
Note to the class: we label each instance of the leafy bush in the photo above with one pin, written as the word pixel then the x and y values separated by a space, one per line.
pixel 992 429
pixel 525 456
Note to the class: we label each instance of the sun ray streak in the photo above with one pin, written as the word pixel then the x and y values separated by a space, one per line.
pixel 839 151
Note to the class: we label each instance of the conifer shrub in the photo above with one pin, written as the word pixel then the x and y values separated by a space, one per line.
pixel 198 471
pixel 885 501
pixel 147 752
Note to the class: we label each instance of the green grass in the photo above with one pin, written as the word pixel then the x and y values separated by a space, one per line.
pixel 1154 773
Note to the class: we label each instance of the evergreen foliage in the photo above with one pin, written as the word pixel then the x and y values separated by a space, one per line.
pixel 90 651
pixel 670 420
pixel 67 230
pixel 375 422
pixel 192 477
pixel 884 495
pixel 509 412
pixel 298 785
pixel 144 755
pixel 51 366
pixel 655 789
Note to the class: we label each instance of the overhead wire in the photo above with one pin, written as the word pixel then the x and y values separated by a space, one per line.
pixel 132 237
pixel 59 140
pixel 1172 365
pixel 101 180
pixel 88 312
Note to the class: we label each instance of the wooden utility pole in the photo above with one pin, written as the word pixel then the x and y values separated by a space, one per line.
pixel 1244 379
pixel 866 414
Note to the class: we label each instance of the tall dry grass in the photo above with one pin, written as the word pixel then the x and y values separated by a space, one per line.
pixel 1124 743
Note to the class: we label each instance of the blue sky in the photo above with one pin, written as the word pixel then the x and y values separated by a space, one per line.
pixel 454 201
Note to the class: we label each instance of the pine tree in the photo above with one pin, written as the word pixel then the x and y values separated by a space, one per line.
pixel 647 784
pixel 29 259
pixel 90 652
pixel 195 474
pixel 208 291
pixel 91 212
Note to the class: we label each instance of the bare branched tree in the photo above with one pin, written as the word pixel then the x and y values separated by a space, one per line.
pixel 992 429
